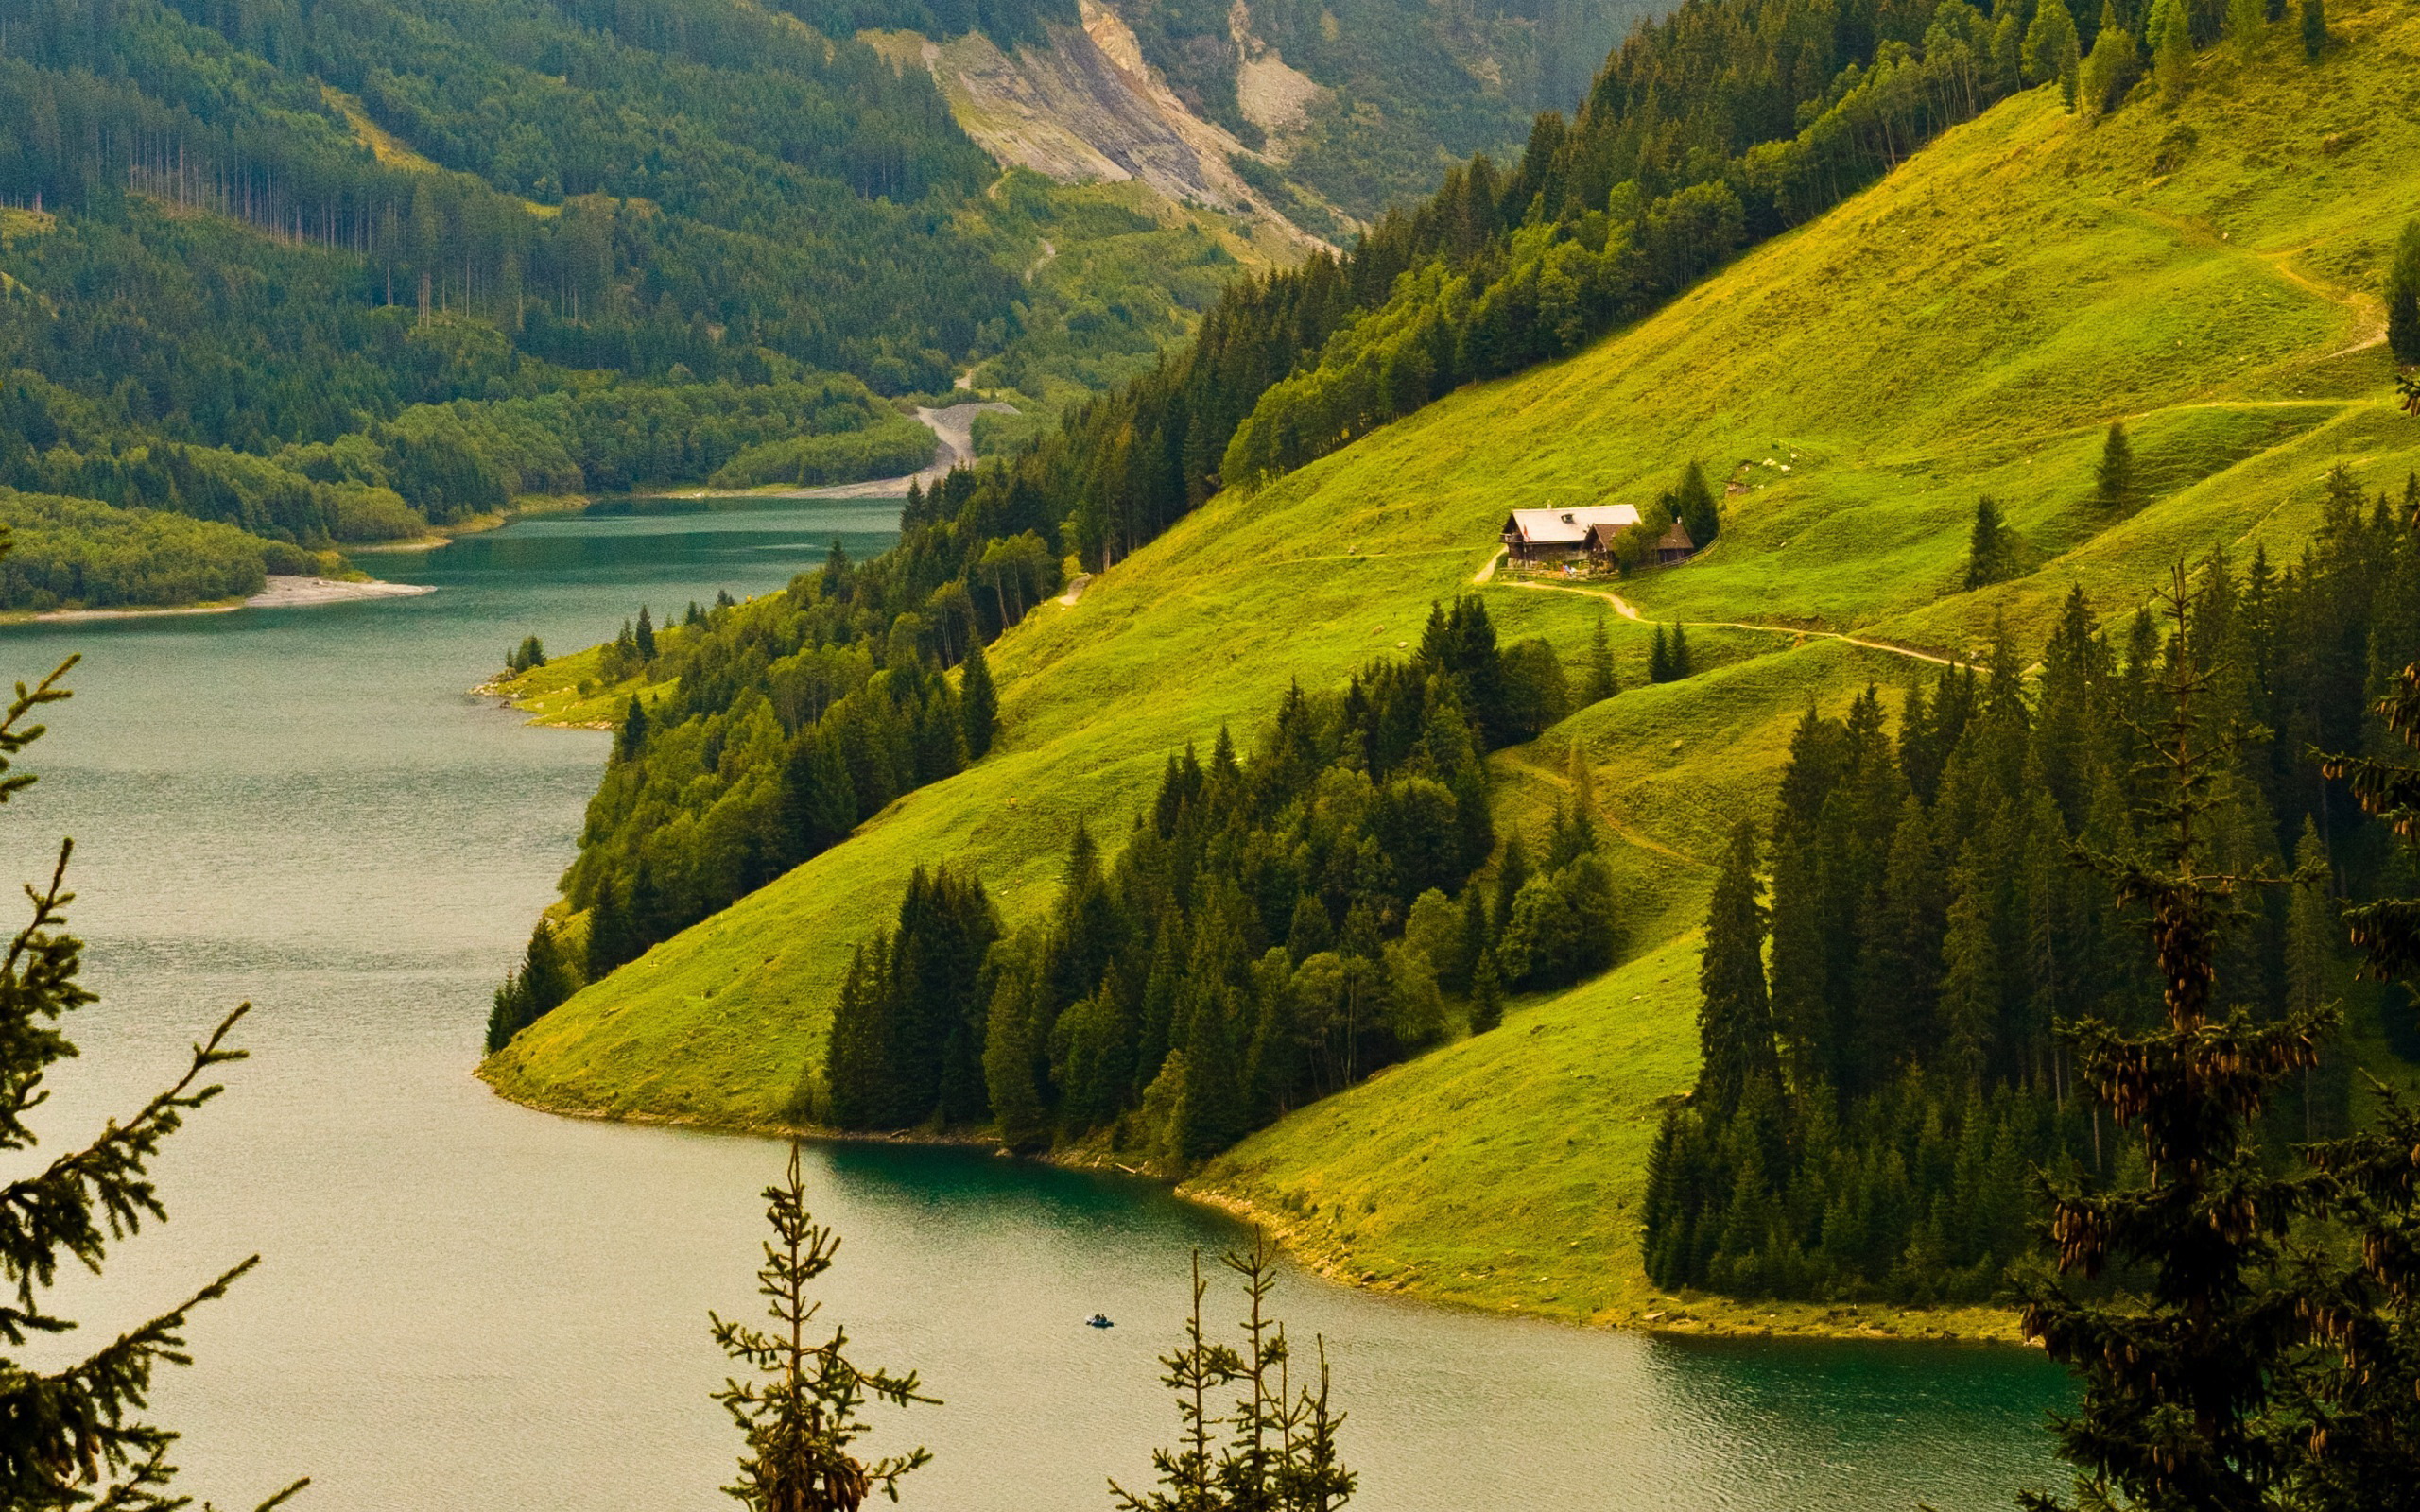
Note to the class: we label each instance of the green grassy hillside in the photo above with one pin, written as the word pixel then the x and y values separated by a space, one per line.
pixel 1972 325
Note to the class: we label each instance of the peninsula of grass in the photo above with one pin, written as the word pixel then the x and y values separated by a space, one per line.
pixel 2206 274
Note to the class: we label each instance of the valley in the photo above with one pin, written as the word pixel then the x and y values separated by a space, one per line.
pixel 1960 328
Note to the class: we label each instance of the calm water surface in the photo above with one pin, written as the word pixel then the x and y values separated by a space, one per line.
pixel 466 1304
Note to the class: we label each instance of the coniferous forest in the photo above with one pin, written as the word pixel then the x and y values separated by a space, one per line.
pixel 1275 927
pixel 1890 966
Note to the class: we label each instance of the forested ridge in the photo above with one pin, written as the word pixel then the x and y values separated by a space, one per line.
pixel 341 272
pixel 1723 124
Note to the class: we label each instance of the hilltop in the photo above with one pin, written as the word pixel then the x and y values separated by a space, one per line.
pixel 2205 273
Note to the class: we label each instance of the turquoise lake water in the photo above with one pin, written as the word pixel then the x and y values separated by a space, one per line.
pixel 467 1304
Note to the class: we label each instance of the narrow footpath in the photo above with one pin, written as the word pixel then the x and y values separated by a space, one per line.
pixel 1630 611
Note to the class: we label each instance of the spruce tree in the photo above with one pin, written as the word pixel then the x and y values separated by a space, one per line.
pixel 979 702
pixel 1681 664
pixel 2171 40
pixel 630 740
pixel 1659 658
pixel 2314 29
pixel 1487 994
pixel 70 1431
pixel 1278 1449
pixel 2246 25
pixel 1601 684
pixel 2403 298
pixel 1693 505
pixel 2052 49
pixel 1511 874
pixel 2114 486
pixel 645 638
pixel 2180 1354
pixel 1988 546
pixel 1475 937
pixel 1735 1021
pixel 2114 65
pixel 800 1408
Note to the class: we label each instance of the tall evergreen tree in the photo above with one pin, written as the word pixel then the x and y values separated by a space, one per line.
pixel 2171 40
pixel 630 740
pixel 2051 48
pixel 1659 658
pixel 2314 29
pixel 2403 297
pixel 800 1409
pixel 1601 684
pixel 979 702
pixel 2247 25
pixel 644 639
pixel 2178 1369
pixel 1990 550
pixel 2115 62
pixel 2114 486
pixel 1693 505
pixel 70 1431
pixel 1735 1019
pixel 1683 665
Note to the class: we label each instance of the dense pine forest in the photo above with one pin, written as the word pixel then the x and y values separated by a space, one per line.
pixel 1878 1089
pixel 1273 930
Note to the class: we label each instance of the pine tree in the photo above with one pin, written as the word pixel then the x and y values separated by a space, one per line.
pixel 2051 48
pixel 2403 298
pixel 630 740
pixel 2178 1369
pixel 800 1410
pixel 1659 658
pixel 1693 505
pixel 1601 684
pixel 2114 486
pixel 1681 664
pixel 2311 931
pixel 2314 29
pixel 70 1435
pixel 1279 1453
pixel 1989 548
pixel 1735 1019
pixel 1511 874
pixel 1474 939
pixel 2115 64
pixel 2246 27
pixel 2171 40
pixel 979 702
pixel 645 638
pixel 538 988
pixel 1487 994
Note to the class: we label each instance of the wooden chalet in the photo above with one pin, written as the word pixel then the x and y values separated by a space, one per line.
pixel 1559 535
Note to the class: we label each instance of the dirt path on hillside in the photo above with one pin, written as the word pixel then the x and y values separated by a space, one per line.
pixel 1630 611
pixel 2369 314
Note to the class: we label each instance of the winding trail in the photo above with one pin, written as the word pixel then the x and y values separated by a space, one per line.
pixel 1630 611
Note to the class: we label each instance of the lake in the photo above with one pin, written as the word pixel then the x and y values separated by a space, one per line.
pixel 467 1304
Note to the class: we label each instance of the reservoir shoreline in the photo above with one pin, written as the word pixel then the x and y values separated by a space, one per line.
pixel 1681 1315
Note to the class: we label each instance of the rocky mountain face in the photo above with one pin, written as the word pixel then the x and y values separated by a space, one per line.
pixel 1306 117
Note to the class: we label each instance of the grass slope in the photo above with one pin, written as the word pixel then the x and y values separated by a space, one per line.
pixel 2207 274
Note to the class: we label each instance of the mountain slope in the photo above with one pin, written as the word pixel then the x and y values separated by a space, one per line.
pixel 1969 325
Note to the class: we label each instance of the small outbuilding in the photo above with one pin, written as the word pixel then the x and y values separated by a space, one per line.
pixel 1558 535
pixel 1674 545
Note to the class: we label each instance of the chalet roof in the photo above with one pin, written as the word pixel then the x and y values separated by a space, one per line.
pixel 1568 527
pixel 1676 539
